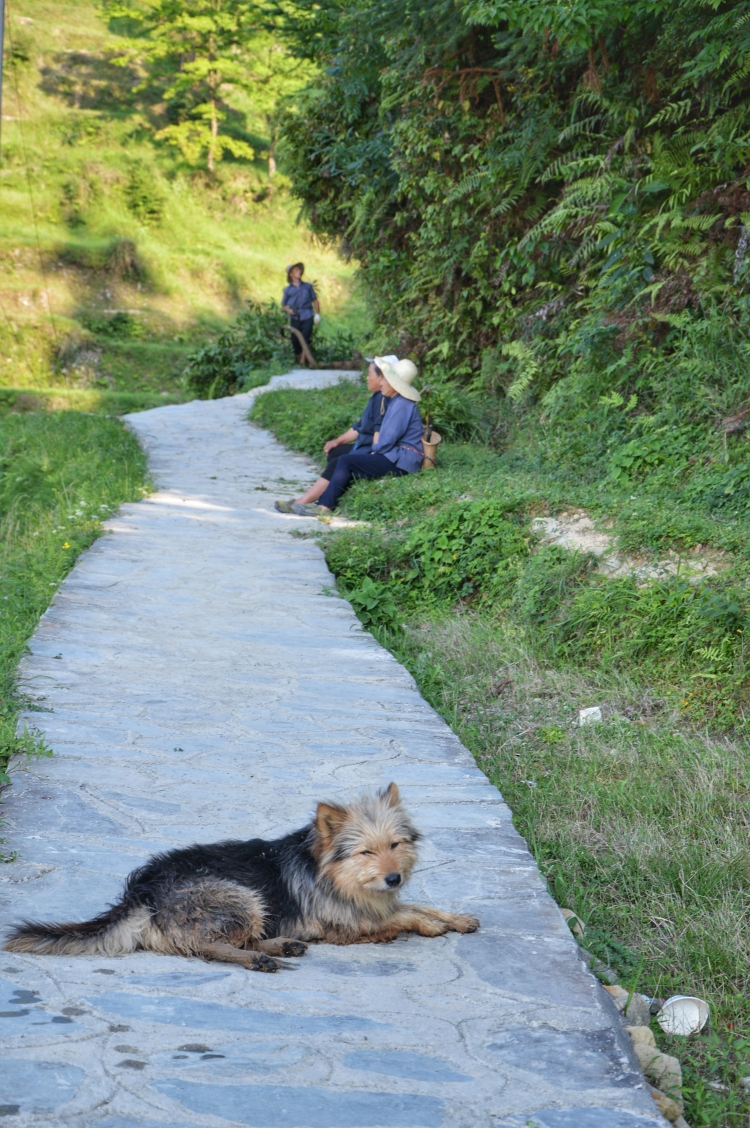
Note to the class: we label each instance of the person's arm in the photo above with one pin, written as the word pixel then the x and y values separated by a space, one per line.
pixel 394 425
pixel 349 436
pixel 287 308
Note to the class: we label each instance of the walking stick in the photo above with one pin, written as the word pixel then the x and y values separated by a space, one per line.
pixel 306 353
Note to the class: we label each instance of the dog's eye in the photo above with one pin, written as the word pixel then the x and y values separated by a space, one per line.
pixel 394 845
pixel 366 852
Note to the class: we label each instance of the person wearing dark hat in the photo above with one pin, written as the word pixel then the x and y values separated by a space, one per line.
pixel 300 301
pixel 396 447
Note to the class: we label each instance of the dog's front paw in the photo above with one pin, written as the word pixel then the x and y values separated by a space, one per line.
pixel 262 962
pixel 461 923
pixel 293 948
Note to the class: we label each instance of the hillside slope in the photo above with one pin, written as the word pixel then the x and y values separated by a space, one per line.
pixel 117 257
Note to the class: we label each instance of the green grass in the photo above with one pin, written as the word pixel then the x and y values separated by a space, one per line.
pixel 639 824
pixel 90 400
pixel 74 250
pixel 61 474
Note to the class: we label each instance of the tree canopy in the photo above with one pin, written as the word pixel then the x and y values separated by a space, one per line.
pixel 196 53
pixel 531 187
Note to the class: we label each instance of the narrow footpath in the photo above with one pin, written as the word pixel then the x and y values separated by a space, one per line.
pixel 198 679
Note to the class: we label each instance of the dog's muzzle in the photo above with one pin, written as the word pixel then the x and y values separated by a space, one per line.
pixel 392 880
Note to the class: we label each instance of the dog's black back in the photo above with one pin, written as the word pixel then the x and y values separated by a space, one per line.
pixel 273 868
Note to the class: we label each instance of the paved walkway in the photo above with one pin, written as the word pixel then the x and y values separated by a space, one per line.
pixel 197 683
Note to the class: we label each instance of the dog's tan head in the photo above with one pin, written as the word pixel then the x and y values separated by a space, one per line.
pixel 368 848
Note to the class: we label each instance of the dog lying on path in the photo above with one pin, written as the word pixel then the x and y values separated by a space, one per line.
pixel 335 880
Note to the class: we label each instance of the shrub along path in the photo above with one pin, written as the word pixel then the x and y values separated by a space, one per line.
pixel 196 682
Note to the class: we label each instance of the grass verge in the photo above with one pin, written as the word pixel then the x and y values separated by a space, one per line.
pixel 640 823
pixel 61 474
pixel 23 400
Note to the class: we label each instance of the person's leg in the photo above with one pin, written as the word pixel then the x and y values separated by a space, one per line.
pixel 307 329
pixel 354 466
pixel 316 489
pixel 295 323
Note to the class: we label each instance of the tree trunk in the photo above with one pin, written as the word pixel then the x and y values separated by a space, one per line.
pixel 212 102
pixel 271 147
pixel 214 134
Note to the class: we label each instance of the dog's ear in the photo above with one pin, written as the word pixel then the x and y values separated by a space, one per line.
pixel 329 819
pixel 391 795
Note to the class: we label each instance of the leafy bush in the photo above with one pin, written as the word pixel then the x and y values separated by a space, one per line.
pixel 222 367
pixel 453 413
pixel 143 194
pixel 373 603
pixel 117 326
pixel 467 549
pixel 334 347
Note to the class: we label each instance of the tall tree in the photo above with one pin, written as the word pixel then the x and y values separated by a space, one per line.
pixel 197 51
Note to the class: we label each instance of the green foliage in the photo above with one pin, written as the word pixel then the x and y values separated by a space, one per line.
pixel 550 206
pixel 373 603
pixel 195 48
pixel 117 326
pixel 453 414
pixel 253 341
pixel 466 550
pixel 143 194
pixel 198 54
pixel 334 347
pixel 61 474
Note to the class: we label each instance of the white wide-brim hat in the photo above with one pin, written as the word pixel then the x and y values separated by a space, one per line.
pixel 400 376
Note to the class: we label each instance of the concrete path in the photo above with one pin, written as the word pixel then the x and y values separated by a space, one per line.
pixel 197 682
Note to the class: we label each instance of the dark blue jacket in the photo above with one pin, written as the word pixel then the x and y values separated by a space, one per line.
pixel 300 299
pixel 400 437
pixel 370 421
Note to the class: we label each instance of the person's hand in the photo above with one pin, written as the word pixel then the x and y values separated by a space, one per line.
pixel 329 446
pixel 316 319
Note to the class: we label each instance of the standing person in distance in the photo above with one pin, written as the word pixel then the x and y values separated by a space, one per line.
pixel 300 301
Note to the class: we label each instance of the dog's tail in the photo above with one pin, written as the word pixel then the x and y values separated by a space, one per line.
pixel 114 933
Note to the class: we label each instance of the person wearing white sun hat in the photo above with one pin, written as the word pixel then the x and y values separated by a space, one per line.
pixel 357 438
pixel 396 448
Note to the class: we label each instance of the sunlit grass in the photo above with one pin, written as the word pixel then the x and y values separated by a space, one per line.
pixel 64 210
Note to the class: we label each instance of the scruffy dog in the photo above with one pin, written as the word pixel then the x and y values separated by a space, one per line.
pixel 336 879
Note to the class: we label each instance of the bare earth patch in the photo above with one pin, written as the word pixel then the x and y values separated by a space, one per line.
pixel 575 531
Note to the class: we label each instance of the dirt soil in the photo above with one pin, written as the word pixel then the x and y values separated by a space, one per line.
pixel 576 531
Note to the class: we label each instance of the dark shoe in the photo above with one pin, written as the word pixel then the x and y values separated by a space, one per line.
pixel 312 509
pixel 283 506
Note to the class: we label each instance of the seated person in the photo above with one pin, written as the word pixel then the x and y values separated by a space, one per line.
pixel 396 448
pixel 359 437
